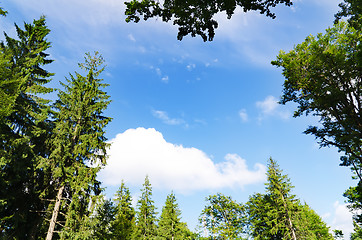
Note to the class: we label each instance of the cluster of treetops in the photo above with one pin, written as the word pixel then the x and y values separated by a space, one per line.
pixel 51 151
pixel 276 214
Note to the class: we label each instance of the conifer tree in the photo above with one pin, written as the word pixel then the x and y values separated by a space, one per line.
pixel 170 226
pixel 278 214
pixel 79 148
pixel 124 222
pixel 103 219
pixel 146 214
pixel 311 226
pixel 24 129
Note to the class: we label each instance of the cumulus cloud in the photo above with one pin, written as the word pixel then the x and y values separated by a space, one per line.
pixel 270 107
pixel 342 219
pixel 138 152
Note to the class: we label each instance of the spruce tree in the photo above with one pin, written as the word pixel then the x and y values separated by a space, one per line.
pixel 311 226
pixel 170 226
pixel 146 214
pixel 24 130
pixel 102 220
pixel 278 214
pixel 79 148
pixel 124 222
pixel 271 214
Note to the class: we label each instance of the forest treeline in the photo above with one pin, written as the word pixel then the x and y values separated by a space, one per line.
pixel 51 151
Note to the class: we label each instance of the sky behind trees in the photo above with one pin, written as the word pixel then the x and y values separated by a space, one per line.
pixel 198 118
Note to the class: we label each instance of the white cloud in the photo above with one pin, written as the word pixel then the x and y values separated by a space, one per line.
pixel 270 107
pixel 131 37
pixel 243 115
pixel 158 71
pixel 342 219
pixel 191 66
pixel 138 152
pixel 166 119
pixel 165 79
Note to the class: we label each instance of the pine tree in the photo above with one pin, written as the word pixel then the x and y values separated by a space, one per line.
pixel 24 130
pixel 78 142
pixel 145 214
pixel 170 226
pixel 124 222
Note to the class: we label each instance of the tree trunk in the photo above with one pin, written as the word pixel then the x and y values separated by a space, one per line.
pixel 289 219
pixel 55 214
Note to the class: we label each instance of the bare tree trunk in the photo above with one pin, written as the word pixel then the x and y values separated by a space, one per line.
pixel 289 219
pixel 55 214
pixel 291 228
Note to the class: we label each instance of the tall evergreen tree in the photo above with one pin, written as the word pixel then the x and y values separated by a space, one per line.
pixel 311 226
pixel 146 214
pixel 102 220
pixel 170 226
pixel 278 214
pixel 78 143
pixel 124 222
pixel 24 129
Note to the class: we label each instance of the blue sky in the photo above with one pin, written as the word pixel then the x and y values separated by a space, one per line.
pixel 198 118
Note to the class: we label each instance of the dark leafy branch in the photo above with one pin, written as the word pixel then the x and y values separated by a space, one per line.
pixel 196 17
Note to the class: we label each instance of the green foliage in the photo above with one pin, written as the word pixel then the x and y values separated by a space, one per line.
pixel 103 221
pixel 271 214
pixel 79 144
pixel 196 17
pixel 278 214
pixel 338 234
pixel 311 226
pixel 357 234
pixel 124 222
pixel 223 217
pixel 170 226
pixel 3 12
pixel 146 227
pixel 323 76
pixel 24 129
pixel 353 10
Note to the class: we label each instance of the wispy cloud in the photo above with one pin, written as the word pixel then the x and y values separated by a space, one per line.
pixel 158 71
pixel 131 37
pixel 164 79
pixel 166 119
pixel 138 152
pixel 270 107
pixel 243 115
pixel 191 66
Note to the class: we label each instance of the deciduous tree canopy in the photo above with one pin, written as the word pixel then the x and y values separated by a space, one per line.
pixel 196 17
pixel 324 77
